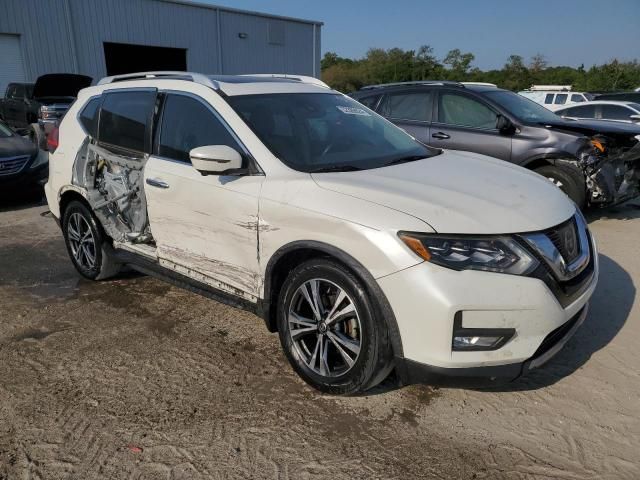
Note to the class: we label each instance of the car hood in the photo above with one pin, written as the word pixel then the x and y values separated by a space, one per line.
pixel 60 85
pixel 15 146
pixel 594 127
pixel 459 192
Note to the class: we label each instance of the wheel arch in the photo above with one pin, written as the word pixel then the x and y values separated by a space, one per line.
pixel 287 256
pixel 544 159
pixel 67 196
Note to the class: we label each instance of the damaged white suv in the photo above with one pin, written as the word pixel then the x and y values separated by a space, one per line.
pixel 366 250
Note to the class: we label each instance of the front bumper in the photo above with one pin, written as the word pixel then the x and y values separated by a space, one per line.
pixel 27 177
pixel 411 372
pixel 426 298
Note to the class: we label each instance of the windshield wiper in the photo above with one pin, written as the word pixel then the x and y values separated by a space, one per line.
pixel 410 158
pixel 336 168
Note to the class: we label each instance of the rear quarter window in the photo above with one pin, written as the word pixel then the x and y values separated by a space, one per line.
pixel 89 117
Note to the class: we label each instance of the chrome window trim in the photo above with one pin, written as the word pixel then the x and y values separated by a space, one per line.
pixel 543 245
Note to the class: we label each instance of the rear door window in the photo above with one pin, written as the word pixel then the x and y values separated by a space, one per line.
pixel 188 123
pixel 548 100
pixel 464 111
pixel 125 120
pixel 414 106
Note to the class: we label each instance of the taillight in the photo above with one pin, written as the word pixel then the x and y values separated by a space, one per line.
pixel 53 140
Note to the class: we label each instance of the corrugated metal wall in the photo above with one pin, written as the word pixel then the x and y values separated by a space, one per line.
pixel 68 36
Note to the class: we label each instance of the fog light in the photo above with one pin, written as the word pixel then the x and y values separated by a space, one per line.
pixel 462 343
pixel 478 339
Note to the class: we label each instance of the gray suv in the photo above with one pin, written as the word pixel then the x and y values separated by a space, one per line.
pixel 593 162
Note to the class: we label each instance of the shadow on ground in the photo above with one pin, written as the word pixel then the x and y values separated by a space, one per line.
pixel 13 200
pixel 609 309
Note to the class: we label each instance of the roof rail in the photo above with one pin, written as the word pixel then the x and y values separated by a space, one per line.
pixel 480 84
pixel 415 82
pixel 288 76
pixel 189 76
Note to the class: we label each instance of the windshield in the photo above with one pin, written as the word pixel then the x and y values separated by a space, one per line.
pixel 5 132
pixel 522 108
pixel 315 132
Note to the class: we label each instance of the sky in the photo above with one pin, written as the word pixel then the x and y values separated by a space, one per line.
pixel 566 32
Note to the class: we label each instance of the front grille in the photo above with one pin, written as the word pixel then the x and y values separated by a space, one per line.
pixel 11 165
pixel 566 292
pixel 565 238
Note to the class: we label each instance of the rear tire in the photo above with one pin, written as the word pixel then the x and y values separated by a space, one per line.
pixel 330 330
pixel 569 180
pixel 87 244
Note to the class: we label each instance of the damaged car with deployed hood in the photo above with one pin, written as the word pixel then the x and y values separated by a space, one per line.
pixel 595 163
pixel 367 251
pixel 34 110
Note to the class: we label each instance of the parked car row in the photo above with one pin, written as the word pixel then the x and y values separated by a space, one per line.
pixel 365 249
pixel 616 111
pixel 34 109
pixel 555 95
pixel 22 164
pixel 596 163
pixel 29 115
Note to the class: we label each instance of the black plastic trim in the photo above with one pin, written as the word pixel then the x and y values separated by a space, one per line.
pixel 154 269
pixel 459 331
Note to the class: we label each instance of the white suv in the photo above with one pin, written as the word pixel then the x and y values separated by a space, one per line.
pixel 366 250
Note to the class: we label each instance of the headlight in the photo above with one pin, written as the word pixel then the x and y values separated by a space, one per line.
pixel 491 254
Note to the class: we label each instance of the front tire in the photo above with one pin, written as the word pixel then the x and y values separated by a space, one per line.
pixel 566 179
pixel 330 330
pixel 87 244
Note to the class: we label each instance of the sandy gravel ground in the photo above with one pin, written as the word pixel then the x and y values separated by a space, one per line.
pixel 135 379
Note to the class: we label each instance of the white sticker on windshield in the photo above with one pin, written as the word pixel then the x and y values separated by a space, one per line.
pixel 354 111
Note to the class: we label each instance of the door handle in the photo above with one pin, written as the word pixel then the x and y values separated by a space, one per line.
pixel 154 182
pixel 441 136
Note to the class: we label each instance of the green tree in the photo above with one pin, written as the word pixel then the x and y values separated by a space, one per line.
pixel 398 65
pixel 459 64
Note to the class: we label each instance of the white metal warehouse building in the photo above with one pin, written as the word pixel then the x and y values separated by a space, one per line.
pixel 108 37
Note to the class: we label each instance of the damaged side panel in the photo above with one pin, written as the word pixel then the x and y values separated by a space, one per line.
pixel 115 189
pixel 613 172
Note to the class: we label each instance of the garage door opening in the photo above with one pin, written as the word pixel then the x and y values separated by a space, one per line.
pixel 124 58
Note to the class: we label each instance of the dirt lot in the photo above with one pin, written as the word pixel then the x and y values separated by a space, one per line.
pixel 135 379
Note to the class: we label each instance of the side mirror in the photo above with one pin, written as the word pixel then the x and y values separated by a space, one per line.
pixel 216 160
pixel 504 125
pixel 634 118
